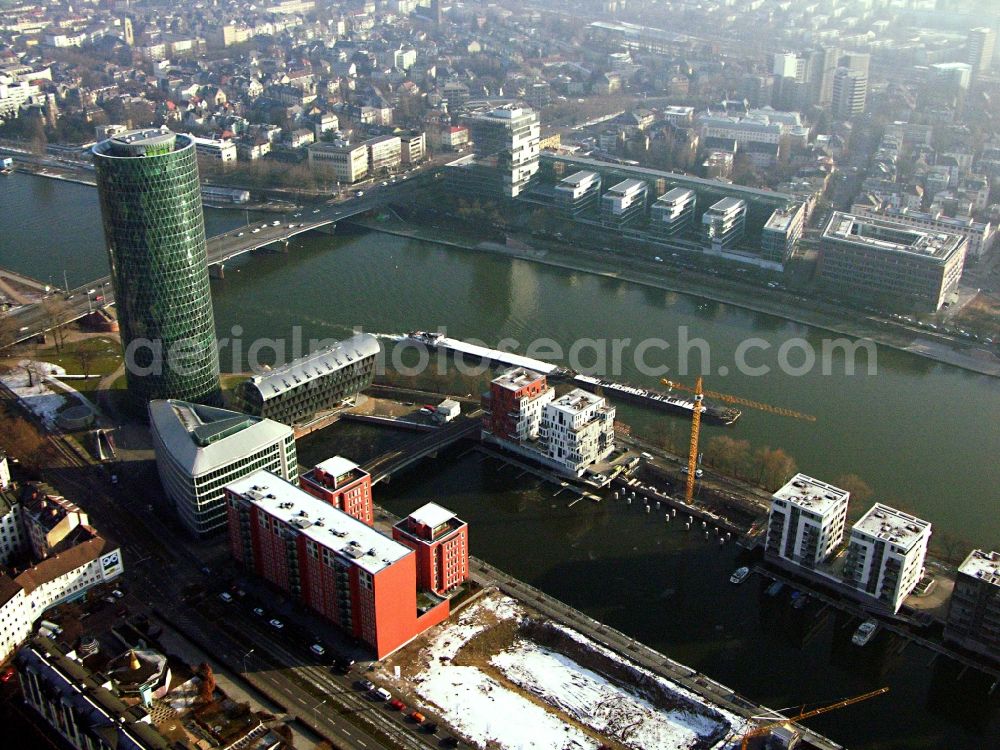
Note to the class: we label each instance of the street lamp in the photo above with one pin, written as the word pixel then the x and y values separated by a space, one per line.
pixel 315 719
pixel 245 659
pixel 90 306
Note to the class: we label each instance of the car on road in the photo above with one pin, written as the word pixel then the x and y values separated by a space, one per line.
pixel 318 649
pixel 358 193
pixel 740 575
pixel 275 223
pixel 381 694
pixel 657 258
pixel 864 633
pixel 315 210
pixel 295 216
pixel 258 611
pixel 384 183
pixel 276 624
pixel 256 229
pixel 366 685
pixel 430 727
pixel 226 596
pixel 343 666
pixel 117 593
pixel 397 704
pixel 7 675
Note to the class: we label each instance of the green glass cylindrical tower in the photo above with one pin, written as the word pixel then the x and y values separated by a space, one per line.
pixel 155 230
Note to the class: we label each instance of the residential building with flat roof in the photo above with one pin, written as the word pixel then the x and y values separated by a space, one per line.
pixel 511 134
pixel 295 392
pixel 577 430
pixel 806 521
pixel 441 541
pixel 201 449
pixel 346 163
pixel 344 485
pixel 885 555
pixel 385 154
pixel 579 192
pixel 513 409
pixel 215 149
pixel 974 611
pixel 413 145
pixel 724 224
pixel 673 213
pixel 47 519
pixel 349 573
pixel 781 233
pixel 900 265
pixel 979 236
pixel 624 203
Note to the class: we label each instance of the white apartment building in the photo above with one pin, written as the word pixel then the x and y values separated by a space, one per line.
pixel 577 430
pixel 806 521
pixel 414 146
pixel 346 163
pixel 724 224
pixel 55 579
pixel 624 203
pixel 11 536
pixel 578 192
pixel 201 449
pixel 673 212
pixel 404 58
pixel 13 95
pixel 885 556
pixel 384 154
pixel 214 148
pixel 781 233
pixel 743 130
pixel 510 134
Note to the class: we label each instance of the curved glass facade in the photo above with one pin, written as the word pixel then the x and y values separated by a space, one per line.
pixel 155 230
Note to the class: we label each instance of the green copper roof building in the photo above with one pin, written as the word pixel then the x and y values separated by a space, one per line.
pixel 155 230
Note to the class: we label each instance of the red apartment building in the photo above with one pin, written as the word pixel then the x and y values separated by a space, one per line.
pixel 343 484
pixel 514 407
pixel 441 541
pixel 356 577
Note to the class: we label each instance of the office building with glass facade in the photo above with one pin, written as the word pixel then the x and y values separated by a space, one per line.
pixel 147 181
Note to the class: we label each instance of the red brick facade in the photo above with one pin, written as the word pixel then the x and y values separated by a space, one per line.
pixel 351 492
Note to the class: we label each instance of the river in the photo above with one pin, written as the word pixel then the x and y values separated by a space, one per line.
pixel 921 433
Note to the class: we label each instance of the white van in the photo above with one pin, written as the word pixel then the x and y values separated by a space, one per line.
pixel 317 649
pixel 381 693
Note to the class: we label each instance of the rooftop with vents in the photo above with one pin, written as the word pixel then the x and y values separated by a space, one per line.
pixel 895 526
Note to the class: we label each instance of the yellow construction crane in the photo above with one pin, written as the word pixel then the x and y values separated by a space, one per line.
pixel 765 728
pixel 699 397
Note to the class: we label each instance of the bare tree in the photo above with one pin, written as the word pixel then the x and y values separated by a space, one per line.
pixel 86 358
pixel 775 467
pixel 206 690
pixel 56 311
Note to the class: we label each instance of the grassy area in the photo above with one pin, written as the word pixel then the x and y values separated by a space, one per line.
pixel 980 314
pixel 99 356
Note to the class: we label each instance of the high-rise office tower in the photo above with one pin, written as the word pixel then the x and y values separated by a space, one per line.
pixel 508 134
pixel 981 42
pixel 150 197
pixel 850 92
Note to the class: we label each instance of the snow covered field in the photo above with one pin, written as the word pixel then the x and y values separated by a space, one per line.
pixel 493 683
pixel 40 398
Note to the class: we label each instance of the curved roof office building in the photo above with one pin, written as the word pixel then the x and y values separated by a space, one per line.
pixel 155 231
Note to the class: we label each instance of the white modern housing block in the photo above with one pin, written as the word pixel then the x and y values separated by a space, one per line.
pixel 624 203
pixel 885 558
pixel 578 192
pixel 673 212
pixel 201 449
pixel 724 223
pixel 806 522
pixel 578 430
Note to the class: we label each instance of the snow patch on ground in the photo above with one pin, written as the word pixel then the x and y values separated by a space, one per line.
pixel 593 700
pixel 484 709
pixel 39 398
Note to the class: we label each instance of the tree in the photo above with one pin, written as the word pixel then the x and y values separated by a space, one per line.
pixel 55 312
pixel 775 467
pixel 728 455
pixel 20 439
pixel 206 689
pixel 86 358
pixel 860 490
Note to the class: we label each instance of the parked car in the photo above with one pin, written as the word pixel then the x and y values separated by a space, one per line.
pixel 416 717
pixel 449 742
pixel 381 694
pixel 740 575
pixel 864 633
pixel 258 611
pixel 317 649
pixel 226 596
pixel 277 624
pixel 366 685
pixel 397 704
